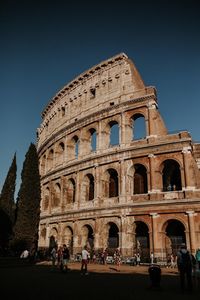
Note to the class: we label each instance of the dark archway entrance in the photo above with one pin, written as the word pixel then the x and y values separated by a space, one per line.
pixel 175 236
pixel 142 240
pixel 113 238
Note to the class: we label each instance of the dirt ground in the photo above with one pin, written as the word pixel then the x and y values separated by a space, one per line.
pixel 42 281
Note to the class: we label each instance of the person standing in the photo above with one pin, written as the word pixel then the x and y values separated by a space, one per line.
pixel 53 256
pixel 152 258
pixel 84 262
pixel 138 259
pixel 65 257
pixel 184 263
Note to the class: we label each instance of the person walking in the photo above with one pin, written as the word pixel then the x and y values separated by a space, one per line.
pixel 184 263
pixel 85 254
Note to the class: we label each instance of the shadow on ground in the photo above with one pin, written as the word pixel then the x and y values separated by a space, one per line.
pixel 42 282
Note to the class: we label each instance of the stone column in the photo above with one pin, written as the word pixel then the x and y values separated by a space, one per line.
pixel 189 184
pixel 100 136
pixel 191 226
pixel 96 181
pixel 50 195
pixel 47 235
pixel 62 193
pixel 122 139
pixel 97 234
pixel 77 195
pixel 154 235
pixel 122 181
pixel 76 239
pixel 153 181
pixel 127 235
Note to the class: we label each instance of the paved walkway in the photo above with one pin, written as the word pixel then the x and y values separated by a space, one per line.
pixel 41 281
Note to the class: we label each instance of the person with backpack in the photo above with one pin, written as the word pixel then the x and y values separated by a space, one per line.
pixel 65 257
pixel 184 263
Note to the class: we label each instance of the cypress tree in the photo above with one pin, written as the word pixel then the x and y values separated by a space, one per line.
pixel 7 205
pixel 28 204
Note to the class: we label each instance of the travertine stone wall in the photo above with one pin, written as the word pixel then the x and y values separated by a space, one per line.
pixel 130 193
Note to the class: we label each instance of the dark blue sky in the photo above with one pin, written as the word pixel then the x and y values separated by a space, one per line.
pixel 45 44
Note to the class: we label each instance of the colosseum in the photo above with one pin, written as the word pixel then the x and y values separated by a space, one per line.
pixel 112 176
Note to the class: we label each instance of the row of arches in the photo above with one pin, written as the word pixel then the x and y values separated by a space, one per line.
pixel 110 182
pixel 174 236
pixel 81 144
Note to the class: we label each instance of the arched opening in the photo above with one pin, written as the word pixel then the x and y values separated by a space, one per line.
pixel 93 139
pixel 76 146
pixel 88 188
pixel 46 198
pixel 142 240
pixel 87 236
pixel 68 238
pixel 113 183
pixel 53 238
pixel 175 236
pixel 140 179
pixel 42 165
pixel 50 159
pixel 113 238
pixel 71 191
pixel 114 133
pixel 56 195
pixel 171 176
pixel 138 127
pixel 60 153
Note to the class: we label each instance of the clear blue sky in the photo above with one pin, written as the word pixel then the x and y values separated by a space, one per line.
pixel 45 44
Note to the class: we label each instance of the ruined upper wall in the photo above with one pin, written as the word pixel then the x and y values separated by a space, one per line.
pixel 102 73
pixel 109 83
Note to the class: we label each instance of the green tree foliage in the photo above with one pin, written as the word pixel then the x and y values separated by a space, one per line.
pixel 28 204
pixel 7 205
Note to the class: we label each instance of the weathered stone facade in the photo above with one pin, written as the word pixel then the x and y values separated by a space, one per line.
pixel 105 183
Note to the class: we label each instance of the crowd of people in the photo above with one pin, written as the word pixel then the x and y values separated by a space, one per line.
pixel 187 264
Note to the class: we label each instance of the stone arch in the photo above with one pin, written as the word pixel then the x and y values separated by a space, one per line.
pixel 67 238
pixel 73 147
pixel 140 179
pixel 88 140
pixel 70 191
pixel 137 179
pixel 87 236
pixel 171 175
pixel 173 235
pixel 46 198
pixel 43 234
pixel 56 195
pixel 87 187
pixel 53 237
pixel 60 149
pixel 110 127
pixel 93 139
pixel 114 133
pixel 50 158
pixel 43 165
pixel 142 240
pixel 111 183
pixel 138 126
pixel 113 237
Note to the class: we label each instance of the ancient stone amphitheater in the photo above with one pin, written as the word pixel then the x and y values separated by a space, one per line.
pixel 111 174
